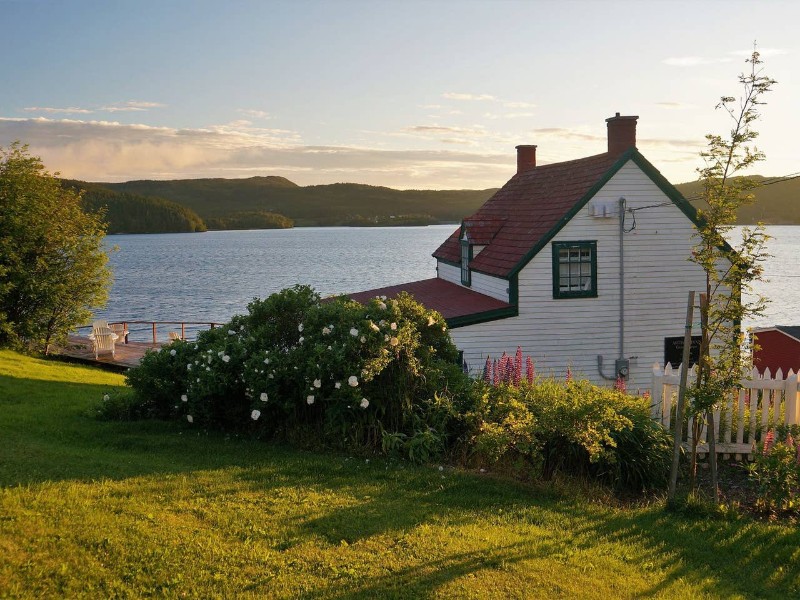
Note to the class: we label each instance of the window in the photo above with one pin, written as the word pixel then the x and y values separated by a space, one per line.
pixel 466 256
pixel 574 269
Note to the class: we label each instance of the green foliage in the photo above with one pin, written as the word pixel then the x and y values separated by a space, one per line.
pixel 575 427
pixel 252 219
pixel 52 264
pixel 775 470
pixel 348 372
pixel 120 406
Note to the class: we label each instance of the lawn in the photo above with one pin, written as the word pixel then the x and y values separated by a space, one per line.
pixel 102 509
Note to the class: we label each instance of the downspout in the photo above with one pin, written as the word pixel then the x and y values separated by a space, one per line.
pixel 621 366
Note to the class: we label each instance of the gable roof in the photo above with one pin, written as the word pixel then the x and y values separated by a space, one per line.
pixel 534 205
pixel 793 331
pixel 458 305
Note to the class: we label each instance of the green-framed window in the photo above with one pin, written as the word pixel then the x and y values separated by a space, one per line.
pixel 574 269
pixel 466 256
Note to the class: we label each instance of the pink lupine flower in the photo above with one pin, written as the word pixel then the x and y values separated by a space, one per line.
pixel 790 440
pixel 518 366
pixel 769 441
pixel 487 370
pixel 569 373
pixel 619 385
pixel 530 374
pixel 495 372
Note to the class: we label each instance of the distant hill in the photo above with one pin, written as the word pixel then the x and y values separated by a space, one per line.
pixel 134 213
pixel 775 204
pixel 335 204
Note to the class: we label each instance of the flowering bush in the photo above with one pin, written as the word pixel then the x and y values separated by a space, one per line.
pixel 571 426
pixel 347 371
pixel 776 470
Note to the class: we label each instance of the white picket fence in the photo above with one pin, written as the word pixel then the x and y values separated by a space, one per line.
pixel 761 403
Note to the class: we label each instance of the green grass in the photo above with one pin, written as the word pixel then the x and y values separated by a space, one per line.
pixel 105 509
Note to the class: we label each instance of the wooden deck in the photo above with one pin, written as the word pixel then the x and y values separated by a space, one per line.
pixel 125 355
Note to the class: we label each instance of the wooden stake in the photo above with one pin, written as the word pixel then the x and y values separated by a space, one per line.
pixel 687 344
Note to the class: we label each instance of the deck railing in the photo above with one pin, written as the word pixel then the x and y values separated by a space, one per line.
pixel 134 330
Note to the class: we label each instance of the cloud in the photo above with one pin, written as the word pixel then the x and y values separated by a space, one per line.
pixel 512 115
pixel 427 130
pixel 519 105
pixel 251 112
pixel 72 110
pixel 693 61
pixel 470 97
pixel 129 106
pixel 110 151
pixel 573 134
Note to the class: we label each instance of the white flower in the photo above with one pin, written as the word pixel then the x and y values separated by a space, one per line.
pixel 241 327
pixel 382 323
pixel 385 338
pixel 337 385
pixel 354 332
pixel 325 331
pixel 329 348
pixel 317 383
pixel 382 297
pixel 381 305
pixel 184 398
pixel 363 339
pixel 352 381
pixel 441 468
pixel 198 380
pixel 264 396
pixel 393 326
pixel 266 361
pixel 226 358
pixel 310 400
pixel 300 341
pixel 207 369
pixel 255 414
pixel 270 376
pixel 105 398
pixel 189 367
pixel 220 353
pixel 172 352
pixel 373 326
pixel 190 418
pixel 231 332
pixel 364 403
pixel 300 327
pixel 431 321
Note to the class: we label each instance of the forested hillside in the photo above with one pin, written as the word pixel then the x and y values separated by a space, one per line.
pixel 133 213
pixel 335 204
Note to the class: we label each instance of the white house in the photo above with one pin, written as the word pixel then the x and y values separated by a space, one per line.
pixel 582 263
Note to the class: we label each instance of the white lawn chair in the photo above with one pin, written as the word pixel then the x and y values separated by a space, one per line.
pixel 173 335
pixel 121 331
pixel 102 339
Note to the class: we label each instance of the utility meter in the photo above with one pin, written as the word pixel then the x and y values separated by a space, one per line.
pixel 622 366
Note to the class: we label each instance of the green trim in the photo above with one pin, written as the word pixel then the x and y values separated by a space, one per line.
pixel 466 273
pixel 513 291
pixel 556 248
pixel 482 317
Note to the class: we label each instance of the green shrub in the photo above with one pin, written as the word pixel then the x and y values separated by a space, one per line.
pixel 120 406
pixel 574 427
pixel 338 370
pixel 776 470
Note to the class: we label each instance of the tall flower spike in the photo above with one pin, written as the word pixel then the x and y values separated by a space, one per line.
pixel 769 441
pixel 518 366
pixel 530 374
pixel 569 373
pixel 501 364
pixel 619 385
pixel 487 370
pixel 495 372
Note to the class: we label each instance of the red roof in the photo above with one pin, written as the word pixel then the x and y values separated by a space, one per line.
pixel 437 294
pixel 525 210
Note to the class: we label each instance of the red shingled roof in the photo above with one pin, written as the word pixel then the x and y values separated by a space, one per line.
pixel 437 294
pixel 523 211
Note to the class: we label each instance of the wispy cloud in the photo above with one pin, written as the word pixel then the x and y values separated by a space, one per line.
pixel 519 105
pixel 510 115
pixel 694 61
pixel 566 133
pixel 255 113
pixel 129 106
pixel 469 97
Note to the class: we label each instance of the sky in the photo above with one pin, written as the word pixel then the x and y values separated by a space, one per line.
pixel 408 94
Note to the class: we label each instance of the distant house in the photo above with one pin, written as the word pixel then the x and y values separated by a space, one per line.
pixel 582 263
pixel 777 348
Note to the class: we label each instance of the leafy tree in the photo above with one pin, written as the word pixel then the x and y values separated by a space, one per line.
pixel 730 272
pixel 52 264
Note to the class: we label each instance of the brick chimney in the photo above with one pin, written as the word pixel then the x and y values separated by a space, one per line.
pixel 526 158
pixel 621 133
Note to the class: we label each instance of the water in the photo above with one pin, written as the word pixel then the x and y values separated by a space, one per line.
pixel 212 276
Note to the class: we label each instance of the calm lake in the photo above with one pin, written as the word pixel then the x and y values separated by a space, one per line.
pixel 212 276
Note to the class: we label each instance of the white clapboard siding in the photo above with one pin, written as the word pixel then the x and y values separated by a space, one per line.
pixel 572 332
pixel 494 287
pixel 744 416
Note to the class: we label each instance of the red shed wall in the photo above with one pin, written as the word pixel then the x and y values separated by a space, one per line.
pixel 778 351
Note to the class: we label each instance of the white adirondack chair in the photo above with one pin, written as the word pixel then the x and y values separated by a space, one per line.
pixel 103 339
pixel 173 335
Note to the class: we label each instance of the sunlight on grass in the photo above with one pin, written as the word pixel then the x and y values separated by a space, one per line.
pixel 100 509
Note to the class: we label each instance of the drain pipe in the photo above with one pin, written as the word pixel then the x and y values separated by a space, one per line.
pixel 621 366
